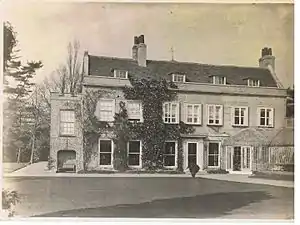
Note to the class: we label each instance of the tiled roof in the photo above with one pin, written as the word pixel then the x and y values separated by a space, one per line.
pixel 195 72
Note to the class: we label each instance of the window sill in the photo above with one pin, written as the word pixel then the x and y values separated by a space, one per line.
pixel 239 126
pixel 170 167
pixel 67 135
pixel 194 124
pixel 215 125
pixel 261 126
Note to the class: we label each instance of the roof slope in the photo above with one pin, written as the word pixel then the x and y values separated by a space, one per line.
pixel 260 136
pixel 195 72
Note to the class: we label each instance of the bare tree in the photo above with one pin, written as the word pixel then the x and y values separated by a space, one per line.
pixel 69 74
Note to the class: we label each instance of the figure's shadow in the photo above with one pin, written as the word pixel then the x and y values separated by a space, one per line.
pixel 200 206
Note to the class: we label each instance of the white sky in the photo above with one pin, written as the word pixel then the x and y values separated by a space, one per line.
pixel 204 33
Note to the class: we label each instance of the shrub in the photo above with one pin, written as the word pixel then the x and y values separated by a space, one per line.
pixel 50 164
pixel 9 200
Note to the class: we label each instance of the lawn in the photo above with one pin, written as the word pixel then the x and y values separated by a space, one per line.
pixel 151 198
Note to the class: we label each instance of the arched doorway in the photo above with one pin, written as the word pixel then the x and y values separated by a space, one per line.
pixel 66 161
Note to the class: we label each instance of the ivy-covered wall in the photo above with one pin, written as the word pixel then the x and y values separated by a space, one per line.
pixel 153 132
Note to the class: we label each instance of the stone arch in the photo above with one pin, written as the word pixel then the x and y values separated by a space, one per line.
pixel 66 160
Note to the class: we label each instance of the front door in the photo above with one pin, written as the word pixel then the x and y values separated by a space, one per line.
pixel 192 153
pixel 241 159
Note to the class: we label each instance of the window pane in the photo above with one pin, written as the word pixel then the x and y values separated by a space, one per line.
pixel 170 148
pixel 192 148
pixel 262 121
pixel 67 116
pixel 134 110
pixel 169 160
pixel 213 160
pixel 242 111
pixel 134 147
pixel 105 158
pixel 262 113
pixel 133 159
pixel 192 159
pixel 236 120
pixel 105 146
pixel 236 112
pixel 213 148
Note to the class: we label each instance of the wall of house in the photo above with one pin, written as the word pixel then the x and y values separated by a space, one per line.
pixel 59 142
pixel 228 96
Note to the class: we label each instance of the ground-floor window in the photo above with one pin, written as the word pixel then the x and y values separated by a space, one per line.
pixel 213 154
pixel 105 150
pixel 169 154
pixel 134 153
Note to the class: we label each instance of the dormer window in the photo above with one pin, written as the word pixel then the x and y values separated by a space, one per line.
pixel 123 74
pixel 253 83
pixel 219 80
pixel 180 78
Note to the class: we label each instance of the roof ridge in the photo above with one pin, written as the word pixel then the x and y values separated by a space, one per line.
pixel 182 62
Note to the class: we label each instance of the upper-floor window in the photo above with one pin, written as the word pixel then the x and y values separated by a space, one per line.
pixel 67 122
pixel 253 83
pixel 265 117
pixel 219 80
pixel 193 113
pixel 134 110
pixel 215 114
pixel 121 74
pixel 171 112
pixel 178 78
pixel 106 109
pixel 239 116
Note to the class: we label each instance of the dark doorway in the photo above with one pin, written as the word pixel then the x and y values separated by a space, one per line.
pixel 237 153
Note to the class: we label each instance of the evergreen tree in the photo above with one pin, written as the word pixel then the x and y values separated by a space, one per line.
pixel 17 115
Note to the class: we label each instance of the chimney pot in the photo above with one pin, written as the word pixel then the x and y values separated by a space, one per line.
pixel 141 39
pixel 136 40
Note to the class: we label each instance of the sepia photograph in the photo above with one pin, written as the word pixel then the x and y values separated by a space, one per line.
pixel 147 110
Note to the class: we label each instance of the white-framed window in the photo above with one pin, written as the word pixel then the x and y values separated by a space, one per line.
pixel 265 117
pixel 105 152
pixel 67 122
pixel 219 80
pixel 239 116
pixel 180 78
pixel 106 109
pixel 215 114
pixel 253 83
pixel 170 152
pixel 123 74
pixel 213 154
pixel 193 113
pixel 135 111
pixel 134 154
pixel 171 112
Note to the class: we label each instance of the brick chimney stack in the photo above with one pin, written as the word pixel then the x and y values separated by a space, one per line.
pixel 135 48
pixel 267 60
pixel 139 51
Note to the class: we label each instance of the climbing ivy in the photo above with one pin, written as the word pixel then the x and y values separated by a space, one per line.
pixel 153 132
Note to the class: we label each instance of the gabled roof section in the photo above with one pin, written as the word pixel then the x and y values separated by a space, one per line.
pixel 195 72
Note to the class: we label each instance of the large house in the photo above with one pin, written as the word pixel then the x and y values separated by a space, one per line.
pixel 237 112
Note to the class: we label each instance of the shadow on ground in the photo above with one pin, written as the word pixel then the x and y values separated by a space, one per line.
pixel 199 206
